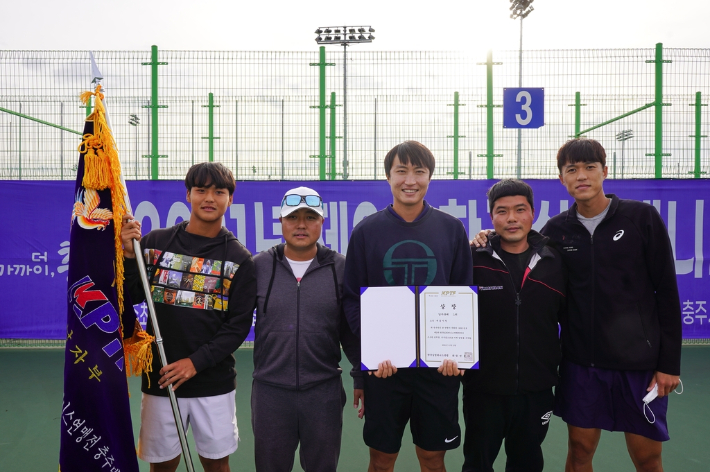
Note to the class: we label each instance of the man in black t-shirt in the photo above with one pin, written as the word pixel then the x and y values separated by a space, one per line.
pixel 521 284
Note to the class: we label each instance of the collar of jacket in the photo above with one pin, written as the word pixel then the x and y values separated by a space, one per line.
pixel 324 254
pixel 572 213
pixel 535 239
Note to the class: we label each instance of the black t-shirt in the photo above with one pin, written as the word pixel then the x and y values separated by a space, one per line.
pixel 516 264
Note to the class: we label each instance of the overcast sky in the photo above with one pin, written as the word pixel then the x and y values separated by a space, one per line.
pixel 288 25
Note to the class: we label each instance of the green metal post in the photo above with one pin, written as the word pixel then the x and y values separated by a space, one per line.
pixel 456 135
pixel 10 112
pixel 154 112
pixel 489 115
pixel 321 114
pixel 154 156
pixel 211 106
pixel 698 117
pixel 658 107
pixel 489 155
pixel 87 106
pixel 648 105
pixel 577 114
pixel 321 111
pixel 332 136
pixel 19 148
pixel 658 151
pixel 698 120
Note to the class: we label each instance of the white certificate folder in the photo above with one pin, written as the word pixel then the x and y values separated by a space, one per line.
pixel 419 326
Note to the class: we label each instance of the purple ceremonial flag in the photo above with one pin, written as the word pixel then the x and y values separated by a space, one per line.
pixel 96 429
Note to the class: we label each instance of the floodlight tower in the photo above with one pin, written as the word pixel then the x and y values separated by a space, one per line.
pixel 345 35
pixel 520 9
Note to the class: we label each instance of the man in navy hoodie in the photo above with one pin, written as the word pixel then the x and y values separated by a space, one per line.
pixel 387 249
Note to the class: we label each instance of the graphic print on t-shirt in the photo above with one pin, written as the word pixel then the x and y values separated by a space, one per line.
pixel 188 281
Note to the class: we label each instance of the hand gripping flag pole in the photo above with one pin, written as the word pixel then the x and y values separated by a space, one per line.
pixel 97 77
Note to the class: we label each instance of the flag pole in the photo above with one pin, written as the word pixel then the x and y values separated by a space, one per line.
pixel 96 79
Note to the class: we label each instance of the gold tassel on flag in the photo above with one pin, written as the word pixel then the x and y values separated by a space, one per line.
pixel 102 170
pixel 137 353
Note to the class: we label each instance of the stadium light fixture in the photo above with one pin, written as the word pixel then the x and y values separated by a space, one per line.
pixel 350 35
pixel 623 136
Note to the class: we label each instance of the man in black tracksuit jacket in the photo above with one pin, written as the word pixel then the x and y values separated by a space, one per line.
pixel 521 283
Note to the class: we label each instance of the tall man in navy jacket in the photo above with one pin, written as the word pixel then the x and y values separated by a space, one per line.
pixel 521 282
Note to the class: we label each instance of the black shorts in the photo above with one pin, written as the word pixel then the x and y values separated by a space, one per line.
pixel 425 398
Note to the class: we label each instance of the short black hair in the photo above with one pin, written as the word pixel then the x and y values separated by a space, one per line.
pixel 580 150
pixel 509 188
pixel 208 174
pixel 411 151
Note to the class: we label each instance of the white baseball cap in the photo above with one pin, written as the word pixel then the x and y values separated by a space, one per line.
pixel 301 197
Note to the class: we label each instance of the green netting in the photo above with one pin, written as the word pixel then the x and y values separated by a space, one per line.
pixel 268 127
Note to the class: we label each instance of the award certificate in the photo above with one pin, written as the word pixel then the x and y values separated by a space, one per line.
pixel 418 326
pixel 448 326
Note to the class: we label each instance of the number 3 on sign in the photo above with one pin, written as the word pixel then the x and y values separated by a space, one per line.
pixel 523 107
pixel 524 96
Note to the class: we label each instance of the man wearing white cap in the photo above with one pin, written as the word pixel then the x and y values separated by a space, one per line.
pixel 297 393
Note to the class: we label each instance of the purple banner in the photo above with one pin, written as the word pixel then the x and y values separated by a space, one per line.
pixel 96 429
pixel 35 248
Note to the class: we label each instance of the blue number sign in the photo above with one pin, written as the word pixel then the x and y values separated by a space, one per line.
pixel 523 107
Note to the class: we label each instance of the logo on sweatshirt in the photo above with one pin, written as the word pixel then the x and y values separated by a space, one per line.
pixel 409 262
pixel 618 235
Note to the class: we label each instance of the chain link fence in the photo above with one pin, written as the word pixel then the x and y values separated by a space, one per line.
pixel 266 124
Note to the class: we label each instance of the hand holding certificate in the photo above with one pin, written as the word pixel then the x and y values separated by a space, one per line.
pixel 419 327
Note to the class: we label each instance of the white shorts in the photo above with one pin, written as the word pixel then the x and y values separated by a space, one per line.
pixel 213 419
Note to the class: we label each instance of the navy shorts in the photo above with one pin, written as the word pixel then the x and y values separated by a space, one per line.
pixel 591 397
pixel 424 398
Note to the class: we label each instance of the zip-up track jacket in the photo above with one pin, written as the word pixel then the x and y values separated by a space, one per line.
pixel 518 326
pixel 624 308
pixel 301 325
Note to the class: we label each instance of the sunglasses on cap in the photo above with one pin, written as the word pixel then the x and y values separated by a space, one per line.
pixel 295 200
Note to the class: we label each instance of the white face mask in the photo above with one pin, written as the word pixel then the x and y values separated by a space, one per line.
pixel 650 396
